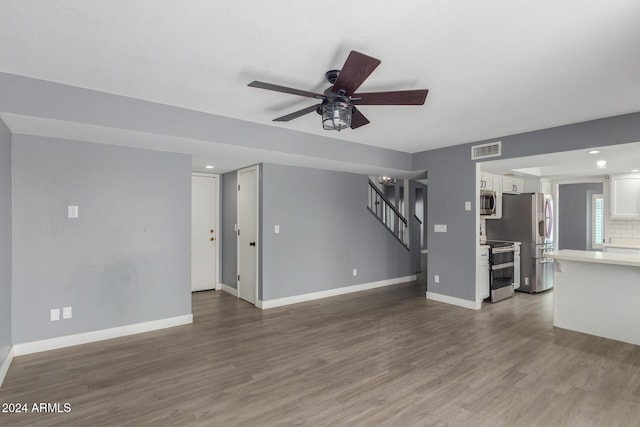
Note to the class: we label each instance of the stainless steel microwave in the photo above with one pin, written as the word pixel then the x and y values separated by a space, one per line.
pixel 488 203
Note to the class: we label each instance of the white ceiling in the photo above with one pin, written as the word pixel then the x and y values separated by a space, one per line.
pixel 622 158
pixel 493 68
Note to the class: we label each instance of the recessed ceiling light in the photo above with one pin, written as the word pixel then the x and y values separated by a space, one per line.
pixel 593 152
pixel 601 164
pixel 209 167
pixel 635 170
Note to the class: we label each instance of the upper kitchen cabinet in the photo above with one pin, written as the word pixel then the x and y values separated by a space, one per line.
pixel 490 182
pixel 512 185
pixel 625 196
pixel 486 181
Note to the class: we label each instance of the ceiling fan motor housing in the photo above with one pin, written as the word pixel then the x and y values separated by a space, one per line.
pixel 332 76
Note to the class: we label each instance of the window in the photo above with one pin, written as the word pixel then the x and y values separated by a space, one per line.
pixel 597 221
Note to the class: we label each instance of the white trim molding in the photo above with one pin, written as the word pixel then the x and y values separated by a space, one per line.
pixel 103 334
pixel 279 302
pixel 473 305
pixel 4 366
pixel 228 289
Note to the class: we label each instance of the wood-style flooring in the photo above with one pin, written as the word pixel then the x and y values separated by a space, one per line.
pixel 381 357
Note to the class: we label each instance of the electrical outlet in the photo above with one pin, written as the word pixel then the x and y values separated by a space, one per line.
pixel 276 229
pixel 436 278
pixel 440 228
pixel 66 313
pixel 355 271
pixel 55 314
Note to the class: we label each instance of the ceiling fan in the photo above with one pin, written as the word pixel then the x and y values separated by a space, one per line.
pixel 338 102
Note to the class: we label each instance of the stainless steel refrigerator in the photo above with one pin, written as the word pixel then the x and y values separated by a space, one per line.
pixel 528 218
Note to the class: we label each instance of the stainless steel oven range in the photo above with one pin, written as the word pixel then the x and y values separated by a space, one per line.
pixel 504 269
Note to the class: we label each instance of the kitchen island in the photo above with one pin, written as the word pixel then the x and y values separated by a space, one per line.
pixel 597 293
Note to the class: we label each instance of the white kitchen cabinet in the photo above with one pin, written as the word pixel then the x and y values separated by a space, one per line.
pixel 497 185
pixel 491 182
pixel 512 185
pixel 486 181
pixel 625 196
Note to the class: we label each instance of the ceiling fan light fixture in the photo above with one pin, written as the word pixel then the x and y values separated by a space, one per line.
pixel 336 115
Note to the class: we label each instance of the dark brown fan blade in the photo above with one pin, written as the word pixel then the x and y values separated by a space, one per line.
pixel 355 70
pixel 297 114
pixel 358 119
pixel 401 97
pixel 284 89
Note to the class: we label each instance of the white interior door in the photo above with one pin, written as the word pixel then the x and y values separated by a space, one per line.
pixel 204 240
pixel 248 234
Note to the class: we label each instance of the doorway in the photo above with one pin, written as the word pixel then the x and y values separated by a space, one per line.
pixel 204 226
pixel 575 220
pixel 248 234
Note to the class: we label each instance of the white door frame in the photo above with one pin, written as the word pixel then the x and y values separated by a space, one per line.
pixel 257 274
pixel 217 222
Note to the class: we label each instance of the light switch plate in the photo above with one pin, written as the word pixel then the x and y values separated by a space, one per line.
pixel 440 228
pixel 66 313
pixel 355 271
pixel 436 278
pixel 72 211
pixel 276 229
pixel 55 314
pixel 467 206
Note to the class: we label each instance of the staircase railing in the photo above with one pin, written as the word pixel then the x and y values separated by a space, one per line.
pixel 388 214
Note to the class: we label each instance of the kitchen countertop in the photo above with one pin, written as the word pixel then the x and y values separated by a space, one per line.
pixel 595 257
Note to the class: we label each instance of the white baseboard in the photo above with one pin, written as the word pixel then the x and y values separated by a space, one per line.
pixel 219 287
pixel 4 366
pixel 473 305
pixel 103 334
pixel 228 289
pixel 279 302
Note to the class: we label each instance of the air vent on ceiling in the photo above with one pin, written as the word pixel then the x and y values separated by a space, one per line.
pixel 482 151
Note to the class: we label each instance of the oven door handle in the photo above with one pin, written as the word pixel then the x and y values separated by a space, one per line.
pixel 503 249
pixel 501 266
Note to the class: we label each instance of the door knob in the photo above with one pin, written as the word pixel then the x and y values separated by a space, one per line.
pixel 252 243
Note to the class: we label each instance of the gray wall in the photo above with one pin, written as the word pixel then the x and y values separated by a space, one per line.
pixel 5 241
pixel 452 181
pixel 452 254
pixel 228 209
pixel 45 99
pixel 125 260
pixel 325 232
pixel 574 214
